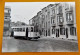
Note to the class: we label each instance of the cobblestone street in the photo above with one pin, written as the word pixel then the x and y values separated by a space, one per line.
pixel 44 44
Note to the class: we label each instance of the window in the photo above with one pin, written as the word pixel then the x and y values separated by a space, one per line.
pixel 49 32
pixel 62 31
pixel 20 29
pixel 45 10
pixel 59 19
pixel 43 16
pixel 46 16
pixel 31 29
pixel 46 24
pixel 13 29
pixel 73 31
pixel 60 9
pixel 5 18
pixel 69 17
pixel 53 11
pixel 53 21
pixel 23 29
pixel 17 29
pixel 53 31
pixel 67 6
pixel 6 11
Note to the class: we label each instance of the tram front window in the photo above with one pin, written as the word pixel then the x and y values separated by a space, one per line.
pixel 31 29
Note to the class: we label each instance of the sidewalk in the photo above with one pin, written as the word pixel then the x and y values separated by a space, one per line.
pixel 7 37
pixel 70 40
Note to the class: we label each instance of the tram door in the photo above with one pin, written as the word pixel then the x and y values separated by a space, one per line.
pixel 26 32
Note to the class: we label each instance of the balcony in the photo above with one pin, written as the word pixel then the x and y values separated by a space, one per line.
pixel 53 25
pixel 70 22
pixel 60 23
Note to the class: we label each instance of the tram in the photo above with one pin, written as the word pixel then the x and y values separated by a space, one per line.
pixel 26 32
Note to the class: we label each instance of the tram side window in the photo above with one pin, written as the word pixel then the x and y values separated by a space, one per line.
pixel 31 29
pixel 17 29
pixel 20 29
pixel 13 28
pixel 23 29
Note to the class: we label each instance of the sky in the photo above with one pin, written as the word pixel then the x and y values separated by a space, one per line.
pixel 24 11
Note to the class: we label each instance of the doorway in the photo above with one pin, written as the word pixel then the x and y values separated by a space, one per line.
pixel 57 32
pixel 26 32
pixel 66 32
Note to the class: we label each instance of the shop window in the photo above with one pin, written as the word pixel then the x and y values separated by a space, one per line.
pixel 62 31
pixel 53 31
pixel 73 31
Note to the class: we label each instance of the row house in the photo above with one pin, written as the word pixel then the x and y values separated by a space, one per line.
pixel 53 20
pixel 65 21
pixel 46 19
pixel 57 20
pixel 7 12
pixel 35 23
pixel 70 21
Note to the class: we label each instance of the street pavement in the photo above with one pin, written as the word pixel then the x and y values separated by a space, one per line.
pixel 44 44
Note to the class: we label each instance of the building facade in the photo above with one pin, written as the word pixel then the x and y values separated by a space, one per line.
pixel 7 12
pixel 57 20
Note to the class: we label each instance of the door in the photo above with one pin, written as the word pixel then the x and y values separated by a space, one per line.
pixel 46 32
pixel 57 32
pixel 66 32
pixel 27 32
